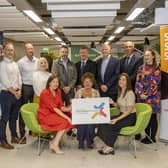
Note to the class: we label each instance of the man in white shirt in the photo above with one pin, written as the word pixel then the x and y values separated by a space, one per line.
pixel 27 65
pixel 10 95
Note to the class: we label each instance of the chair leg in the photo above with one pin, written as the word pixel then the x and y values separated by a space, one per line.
pixel 132 143
pixel 135 149
pixel 39 145
pixel 156 145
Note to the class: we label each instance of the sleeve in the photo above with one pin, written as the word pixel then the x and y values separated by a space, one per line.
pixel 116 73
pixel 78 94
pixel 60 103
pixel 54 69
pixel 19 77
pixel 139 83
pixel 45 100
pixel 130 99
pixel 74 77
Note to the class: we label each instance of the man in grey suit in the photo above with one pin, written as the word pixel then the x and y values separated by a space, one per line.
pixel 131 61
pixel 66 71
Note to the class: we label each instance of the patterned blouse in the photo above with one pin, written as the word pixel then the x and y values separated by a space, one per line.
pixel 148 83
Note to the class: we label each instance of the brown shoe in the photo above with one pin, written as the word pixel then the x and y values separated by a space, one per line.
pixel 15 140
pixel 6 145
pixel 22 140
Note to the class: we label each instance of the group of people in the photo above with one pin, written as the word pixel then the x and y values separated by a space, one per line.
pixel 133 78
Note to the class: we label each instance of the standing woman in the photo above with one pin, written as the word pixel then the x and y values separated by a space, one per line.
pixel 40 78
pixel 147 89
pixel 50 113
pixel 127 117
pixel 86 131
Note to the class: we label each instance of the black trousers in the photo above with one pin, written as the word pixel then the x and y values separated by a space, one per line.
pixel 10 109
pixel 109 133
pixel 152 127
pixel 27 96
pixel 67 97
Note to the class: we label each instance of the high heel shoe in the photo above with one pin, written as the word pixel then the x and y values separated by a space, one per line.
pixel 55 149
pixel 108 152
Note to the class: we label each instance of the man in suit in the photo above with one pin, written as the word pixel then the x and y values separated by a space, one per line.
pixel 66 71
pixel 131 61
pixel 84 65
pixel 108 68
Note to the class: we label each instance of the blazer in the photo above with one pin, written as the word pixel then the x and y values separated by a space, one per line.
pixel 89 67
pixel 110 77
pixel 67 78
pixel 132 68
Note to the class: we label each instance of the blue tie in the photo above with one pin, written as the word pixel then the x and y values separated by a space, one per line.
pixel 82 67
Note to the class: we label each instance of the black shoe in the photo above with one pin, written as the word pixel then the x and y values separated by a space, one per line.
pixel 146 141
pixel 109 152
pixel 71 134
pixel 91 146
pixel 138 136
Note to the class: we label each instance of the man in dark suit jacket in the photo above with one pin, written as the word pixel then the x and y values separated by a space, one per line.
pixel 131 62
pixel 108 68
pixel 84 65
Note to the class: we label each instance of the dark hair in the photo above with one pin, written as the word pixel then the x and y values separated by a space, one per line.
pixel 50 79
pixel 128 85
pixel 154 54
pixel 84 48
pixel 90 76
pixel 63 46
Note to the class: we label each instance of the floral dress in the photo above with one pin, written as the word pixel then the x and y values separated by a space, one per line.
pixel 148 83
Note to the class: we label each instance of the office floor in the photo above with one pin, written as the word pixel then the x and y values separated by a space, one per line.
pixel 26 156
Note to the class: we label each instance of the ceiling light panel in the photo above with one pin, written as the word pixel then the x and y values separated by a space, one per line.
pixel 79 6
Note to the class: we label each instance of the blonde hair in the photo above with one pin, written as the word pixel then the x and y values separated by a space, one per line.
pixel 39 65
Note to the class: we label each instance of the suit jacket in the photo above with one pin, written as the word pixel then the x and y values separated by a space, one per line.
pixel 110 77
pixel 89 67
pixel 67 78
pixel 132 68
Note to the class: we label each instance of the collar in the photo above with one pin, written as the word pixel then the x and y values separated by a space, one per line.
pixel 7 60
pixel 33 60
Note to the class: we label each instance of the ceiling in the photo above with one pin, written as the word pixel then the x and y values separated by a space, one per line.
pixel 78 21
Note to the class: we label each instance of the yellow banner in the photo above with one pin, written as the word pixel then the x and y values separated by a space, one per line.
pixel 164 48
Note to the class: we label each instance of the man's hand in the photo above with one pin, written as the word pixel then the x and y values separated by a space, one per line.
pixel 104 88
pixel 66 89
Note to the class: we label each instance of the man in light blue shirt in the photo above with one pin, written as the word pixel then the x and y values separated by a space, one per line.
pixel 27 65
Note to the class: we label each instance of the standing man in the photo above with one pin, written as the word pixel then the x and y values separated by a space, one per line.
pixel 66 71
pixel 131 62
pixel 84 65
pixel 10 95
pixel 108 73
pixel 27 65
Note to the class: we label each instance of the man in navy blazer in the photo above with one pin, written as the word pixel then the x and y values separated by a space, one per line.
pixel 84 65
pixel 131 61
pixel 108 68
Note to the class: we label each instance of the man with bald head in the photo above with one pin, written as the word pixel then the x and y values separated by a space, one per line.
pixel 131 61
pixel 108 68
pixel 27 65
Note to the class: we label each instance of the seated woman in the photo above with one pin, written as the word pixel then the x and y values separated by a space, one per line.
pixel 86 132
pixel 50 115
pixel 126 103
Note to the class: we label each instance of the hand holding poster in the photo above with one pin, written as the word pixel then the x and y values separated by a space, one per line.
pixel 90 111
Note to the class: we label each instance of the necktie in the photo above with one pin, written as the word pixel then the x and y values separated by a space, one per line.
pixel 126 61
pixel 82 67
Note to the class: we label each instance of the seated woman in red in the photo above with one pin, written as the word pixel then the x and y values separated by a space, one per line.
pixel 50 113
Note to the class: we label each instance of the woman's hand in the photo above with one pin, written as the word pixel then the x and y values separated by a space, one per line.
pixel 142 96
pixel 113 121
pixel 69 120
pixel 111 101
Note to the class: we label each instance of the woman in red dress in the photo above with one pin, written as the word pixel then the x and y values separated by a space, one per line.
pixel 50 113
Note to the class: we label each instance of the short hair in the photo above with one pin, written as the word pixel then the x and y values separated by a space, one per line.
pixel 8 43
pixel 63 46
pixel 84 48
pixel 88 75
pixel 50 79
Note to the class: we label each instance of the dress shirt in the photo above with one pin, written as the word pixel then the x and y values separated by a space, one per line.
pixel 39 81
pixel 64 62
pixel 9 74
pixel 105 61
pixel 27 67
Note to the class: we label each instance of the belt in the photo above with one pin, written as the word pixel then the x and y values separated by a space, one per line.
pixel 28 85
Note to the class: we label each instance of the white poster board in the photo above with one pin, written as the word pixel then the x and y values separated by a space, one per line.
pixel 90 111
pixel 164 120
